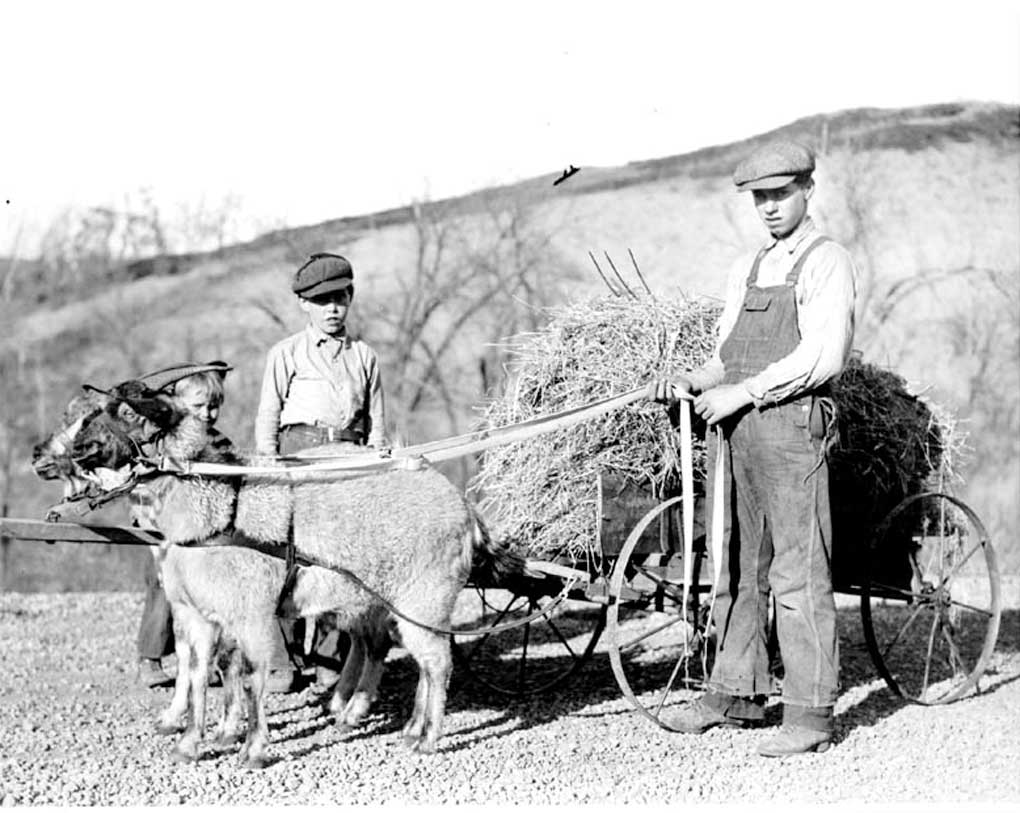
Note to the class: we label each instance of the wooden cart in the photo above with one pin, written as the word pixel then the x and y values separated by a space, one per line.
pixel 927 579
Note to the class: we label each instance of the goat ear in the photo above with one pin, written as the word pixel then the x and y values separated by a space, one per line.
pixel 146 402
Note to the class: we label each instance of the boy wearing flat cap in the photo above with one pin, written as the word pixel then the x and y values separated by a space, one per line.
pixel 785 332
pixel 320 386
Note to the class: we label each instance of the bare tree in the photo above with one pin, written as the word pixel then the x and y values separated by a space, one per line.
pixel 963 310
pixel 14 263
pixel 19 387
pixel 206 225
pixel 477 276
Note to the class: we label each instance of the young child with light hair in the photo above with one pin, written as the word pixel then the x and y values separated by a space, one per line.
pixel 199 396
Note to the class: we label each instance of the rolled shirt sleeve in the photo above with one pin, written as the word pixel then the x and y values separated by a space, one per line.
pixel 826 294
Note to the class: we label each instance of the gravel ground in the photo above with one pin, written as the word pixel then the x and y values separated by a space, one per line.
pixel 76 730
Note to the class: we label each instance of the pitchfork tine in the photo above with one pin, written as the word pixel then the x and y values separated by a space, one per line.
pixel 604 278
pixel 638 272
pixel 624 284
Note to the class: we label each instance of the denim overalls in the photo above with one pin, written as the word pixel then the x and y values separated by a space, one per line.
pixel 778 529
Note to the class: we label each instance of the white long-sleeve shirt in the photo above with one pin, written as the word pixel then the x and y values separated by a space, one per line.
pixel 314 378
pixel 826 293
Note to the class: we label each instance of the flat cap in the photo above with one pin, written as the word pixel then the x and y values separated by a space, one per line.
pixel 323 274
pixel 773 166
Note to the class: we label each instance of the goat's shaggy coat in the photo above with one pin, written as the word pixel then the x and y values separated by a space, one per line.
pixel 408 535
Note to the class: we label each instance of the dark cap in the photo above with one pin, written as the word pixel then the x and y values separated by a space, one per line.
pixel 773 166
pixel 323 274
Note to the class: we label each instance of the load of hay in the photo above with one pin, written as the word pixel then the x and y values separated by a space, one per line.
pixel 891 445
pixel 541 496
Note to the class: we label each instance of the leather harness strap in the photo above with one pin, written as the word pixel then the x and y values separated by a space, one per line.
pixel 310 560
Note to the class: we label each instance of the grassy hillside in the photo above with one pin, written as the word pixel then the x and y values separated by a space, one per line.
pixel 926 199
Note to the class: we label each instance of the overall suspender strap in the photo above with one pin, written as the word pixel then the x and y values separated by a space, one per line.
pixel 752 278
pixel 792 277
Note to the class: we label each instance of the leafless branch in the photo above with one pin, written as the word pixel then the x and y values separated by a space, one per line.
pixel 268 311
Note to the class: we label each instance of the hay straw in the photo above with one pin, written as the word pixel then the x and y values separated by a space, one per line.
pixel 541 496
pixel 891 443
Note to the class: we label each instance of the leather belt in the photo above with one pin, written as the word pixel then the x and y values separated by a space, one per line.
pixel 327 434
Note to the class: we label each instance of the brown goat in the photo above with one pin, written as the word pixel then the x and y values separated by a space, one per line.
pixel 409 535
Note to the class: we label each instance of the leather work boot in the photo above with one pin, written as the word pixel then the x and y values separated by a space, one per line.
pixel 151 674
pixel 795 739
pixel 698 718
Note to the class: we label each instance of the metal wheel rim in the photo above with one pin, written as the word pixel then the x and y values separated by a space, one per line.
pixel 994 611
pixel 615 588
pixel 464 658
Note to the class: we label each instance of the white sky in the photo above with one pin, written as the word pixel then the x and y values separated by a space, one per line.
pixel 309 111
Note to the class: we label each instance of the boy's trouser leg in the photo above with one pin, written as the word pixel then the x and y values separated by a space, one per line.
pixel 741 605
pixel 155 628
pixel 794 485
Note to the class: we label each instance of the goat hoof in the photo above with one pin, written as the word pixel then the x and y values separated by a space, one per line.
pixel 227 738
pixel 420 745
pixel 412 733
pixel 426 746
pixel 352 719
pixel 254 763
pixel 179 757
pixel 166 729
pixel 257 763
pixel 336 705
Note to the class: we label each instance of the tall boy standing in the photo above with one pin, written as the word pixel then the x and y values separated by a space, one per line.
pixel 785 332
pixel 320 385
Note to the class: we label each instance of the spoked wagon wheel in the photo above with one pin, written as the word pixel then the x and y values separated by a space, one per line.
pixel 656 648
pixel 533 657
pixel 931 640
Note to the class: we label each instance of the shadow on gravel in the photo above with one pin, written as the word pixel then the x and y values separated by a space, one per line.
pixel 881 702
pixel 595 686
